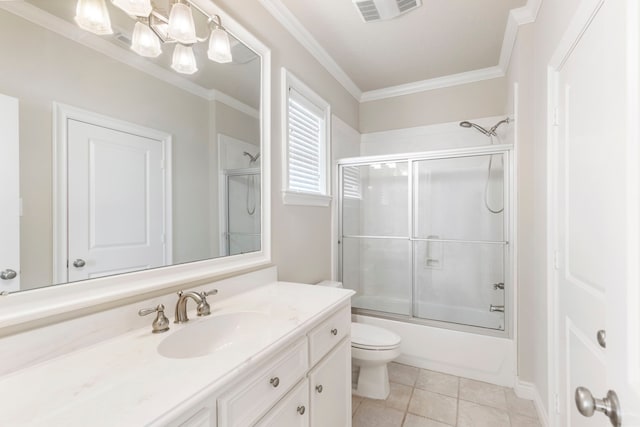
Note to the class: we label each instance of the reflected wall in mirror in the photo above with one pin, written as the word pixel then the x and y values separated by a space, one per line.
pixel 116 162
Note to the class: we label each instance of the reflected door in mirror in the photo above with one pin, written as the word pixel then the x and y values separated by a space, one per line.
pixel 115 192
pixel 10 196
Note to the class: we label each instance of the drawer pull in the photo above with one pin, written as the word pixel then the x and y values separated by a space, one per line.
pixel 334 331
pixel 275 382
pixel 301 410
pixel 319 388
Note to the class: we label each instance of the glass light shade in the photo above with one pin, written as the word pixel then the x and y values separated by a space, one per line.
pixel 219 46
pixel 184 61
pixel 181 25
pixel 144 41
pixel 134 7
pixel 92 15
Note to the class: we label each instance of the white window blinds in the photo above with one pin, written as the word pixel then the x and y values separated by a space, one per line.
pixel 307 145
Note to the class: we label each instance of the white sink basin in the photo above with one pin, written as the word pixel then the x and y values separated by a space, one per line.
pixel 217 333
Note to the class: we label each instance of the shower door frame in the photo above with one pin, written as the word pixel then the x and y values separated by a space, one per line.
pixel 224 219
pixel 509 232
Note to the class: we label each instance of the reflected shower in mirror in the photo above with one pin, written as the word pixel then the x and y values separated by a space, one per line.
pixel 119 160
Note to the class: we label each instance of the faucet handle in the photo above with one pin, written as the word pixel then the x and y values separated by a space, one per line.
pixel 161 323
pixel 204 309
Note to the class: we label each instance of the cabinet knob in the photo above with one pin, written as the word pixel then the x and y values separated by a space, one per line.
pixel 334 331
pixel 301 410
pixel 319 388
pixel 275 382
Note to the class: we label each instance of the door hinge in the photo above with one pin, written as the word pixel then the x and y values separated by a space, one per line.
pixel 556 260
pixel 556 116
pixel 557 403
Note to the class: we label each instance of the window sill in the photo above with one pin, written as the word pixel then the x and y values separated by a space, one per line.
pixel 305 199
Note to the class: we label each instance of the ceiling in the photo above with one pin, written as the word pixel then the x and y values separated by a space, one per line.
pixel 440 38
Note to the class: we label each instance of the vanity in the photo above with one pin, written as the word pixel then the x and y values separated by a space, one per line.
pixel 276 355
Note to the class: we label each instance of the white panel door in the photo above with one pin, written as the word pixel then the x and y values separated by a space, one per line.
pixel 594 244
pixel 115 202
pixel 10 195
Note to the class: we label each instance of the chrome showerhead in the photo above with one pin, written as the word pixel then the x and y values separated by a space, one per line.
pixel 486 132
pixel 467 124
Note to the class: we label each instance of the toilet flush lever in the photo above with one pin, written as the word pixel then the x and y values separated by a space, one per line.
pixel 498 308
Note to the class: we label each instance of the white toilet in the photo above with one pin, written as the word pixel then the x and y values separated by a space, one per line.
pixel 372 348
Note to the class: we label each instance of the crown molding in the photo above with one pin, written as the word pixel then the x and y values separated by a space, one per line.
pixel 215 95
pixel 66 29
pixel 436 83
pixel 520 16
pixel 302 35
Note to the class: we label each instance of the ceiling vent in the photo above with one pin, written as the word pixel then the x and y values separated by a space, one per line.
pixel 381 10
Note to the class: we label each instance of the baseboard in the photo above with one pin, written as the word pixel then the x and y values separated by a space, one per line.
pixel 527 390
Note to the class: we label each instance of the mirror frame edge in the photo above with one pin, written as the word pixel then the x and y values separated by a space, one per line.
pixel 59 300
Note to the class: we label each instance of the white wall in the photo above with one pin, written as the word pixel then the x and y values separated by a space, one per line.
pixel 528 68
pixel 479 99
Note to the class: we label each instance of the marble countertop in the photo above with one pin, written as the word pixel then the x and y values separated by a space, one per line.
pixel 124 381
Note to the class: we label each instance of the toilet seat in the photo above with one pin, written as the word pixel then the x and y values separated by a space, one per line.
pixel 368 337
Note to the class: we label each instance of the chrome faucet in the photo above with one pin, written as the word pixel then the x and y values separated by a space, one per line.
pixel 203 308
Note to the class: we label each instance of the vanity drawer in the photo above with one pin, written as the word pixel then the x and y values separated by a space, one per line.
pixel 245 403
pixel 291 411
pixel 329 333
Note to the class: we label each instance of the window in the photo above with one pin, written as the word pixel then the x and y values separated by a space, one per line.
pixel 306 148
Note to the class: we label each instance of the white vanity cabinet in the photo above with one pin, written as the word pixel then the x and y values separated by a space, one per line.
pixel 330 388
pixel 306 385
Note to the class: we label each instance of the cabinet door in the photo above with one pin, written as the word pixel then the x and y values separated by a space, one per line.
pixel 292 411
pixel 330 388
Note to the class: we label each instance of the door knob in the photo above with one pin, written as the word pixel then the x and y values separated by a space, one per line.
pixel 588 405
pixel 8 274
pixel 79 263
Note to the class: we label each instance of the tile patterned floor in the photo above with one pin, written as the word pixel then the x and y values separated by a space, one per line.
pixel 422 398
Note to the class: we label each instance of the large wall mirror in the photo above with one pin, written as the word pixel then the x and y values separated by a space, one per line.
pixel 123 148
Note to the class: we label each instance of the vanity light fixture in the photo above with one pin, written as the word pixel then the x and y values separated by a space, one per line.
pixel 92 16
pixel 144 41
pixel 152 29
pixel 134 7
pixel 219 46
pixel 184 61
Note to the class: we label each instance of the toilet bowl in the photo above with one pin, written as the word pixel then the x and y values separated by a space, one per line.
pixel 372 348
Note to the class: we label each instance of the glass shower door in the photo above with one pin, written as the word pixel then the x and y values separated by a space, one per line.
pixel 243 213
pixel 459 240
pixel 375 245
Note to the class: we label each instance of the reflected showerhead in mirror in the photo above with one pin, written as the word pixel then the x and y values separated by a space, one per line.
pixel 252 159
